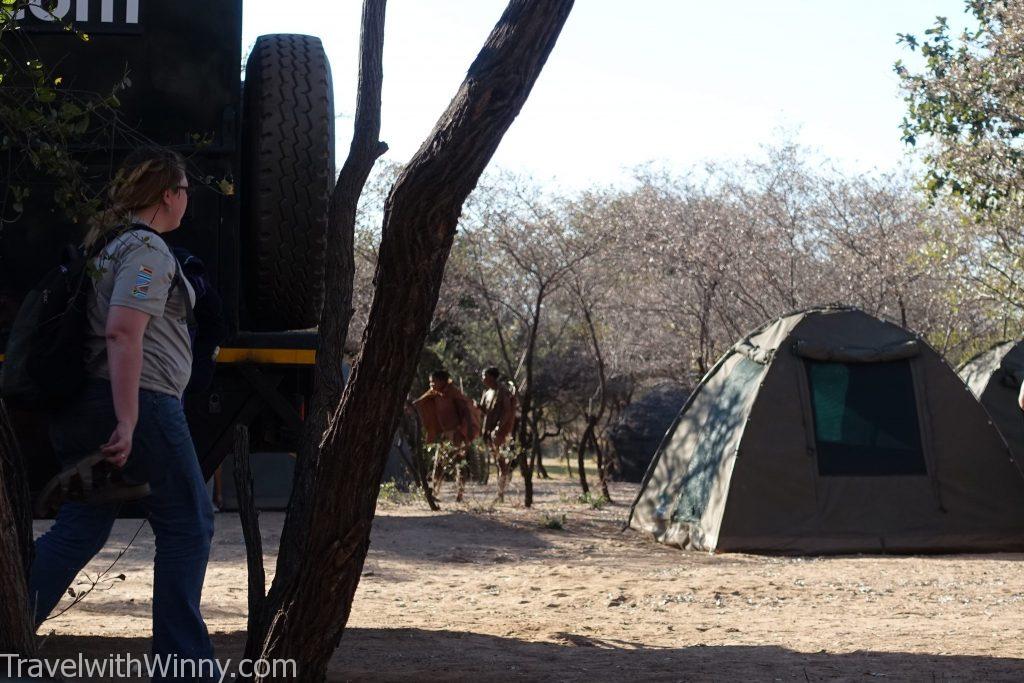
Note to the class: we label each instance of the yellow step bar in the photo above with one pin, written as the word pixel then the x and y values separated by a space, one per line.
pixel 261 356
pixel 267 356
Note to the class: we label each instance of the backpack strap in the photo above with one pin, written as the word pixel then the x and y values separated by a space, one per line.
pixel 179 282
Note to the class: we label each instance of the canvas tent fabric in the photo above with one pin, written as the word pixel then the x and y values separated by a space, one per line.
pixel 831 431
pixel 994 377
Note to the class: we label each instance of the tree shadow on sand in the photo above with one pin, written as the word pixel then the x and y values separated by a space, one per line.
pixel 408 654
pixel 463 538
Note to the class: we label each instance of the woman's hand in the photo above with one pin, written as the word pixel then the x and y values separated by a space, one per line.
pixel 119 447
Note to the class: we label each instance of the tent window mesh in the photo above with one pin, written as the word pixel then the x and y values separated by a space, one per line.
pixel 865 419
pixel 719 430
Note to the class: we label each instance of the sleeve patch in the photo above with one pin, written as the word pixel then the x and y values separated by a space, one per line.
pixel 142 281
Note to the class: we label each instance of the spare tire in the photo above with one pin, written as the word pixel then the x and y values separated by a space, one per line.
pixel 287 179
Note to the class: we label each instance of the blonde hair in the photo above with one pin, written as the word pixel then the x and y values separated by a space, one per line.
pixel 141 181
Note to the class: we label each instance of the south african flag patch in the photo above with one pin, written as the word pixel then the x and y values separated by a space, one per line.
pixel 142 281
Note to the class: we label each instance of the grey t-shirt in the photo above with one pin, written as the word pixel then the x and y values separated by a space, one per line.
pixel 137 270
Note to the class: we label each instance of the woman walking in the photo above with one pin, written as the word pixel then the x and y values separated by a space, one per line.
pixel 138 363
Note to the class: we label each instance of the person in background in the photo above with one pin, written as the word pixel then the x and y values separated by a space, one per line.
pixel 451 420
pixel 499 408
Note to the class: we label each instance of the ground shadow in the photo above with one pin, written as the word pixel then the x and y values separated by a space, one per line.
pixel 465 537
pixel 406 654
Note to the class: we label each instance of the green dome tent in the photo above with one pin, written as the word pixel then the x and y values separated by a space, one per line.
pixel 994 377
pixel 831 431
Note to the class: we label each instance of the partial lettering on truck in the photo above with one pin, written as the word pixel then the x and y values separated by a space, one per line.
pixel 88 15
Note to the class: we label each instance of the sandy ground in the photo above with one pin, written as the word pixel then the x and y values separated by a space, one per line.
pixel 482 593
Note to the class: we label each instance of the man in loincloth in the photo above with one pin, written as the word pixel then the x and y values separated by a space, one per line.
pixel 499 408
pixel 451 421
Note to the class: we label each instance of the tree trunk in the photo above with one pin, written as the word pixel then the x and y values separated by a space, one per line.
pixel 16 486
pixel 17 631
pixel 581 451
pixel 250 519
pixel 526 470
pixel 420 217
pixel 525 438
pixel 540 463
pixel 328 374
pixel 538 455
pixel 567 454
pixel 602 473
pixel 614 461
pixel 602 402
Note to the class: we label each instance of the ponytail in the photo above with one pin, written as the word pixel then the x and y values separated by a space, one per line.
pixel 141 181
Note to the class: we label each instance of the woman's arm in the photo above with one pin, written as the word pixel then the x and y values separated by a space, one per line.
pixel 125 327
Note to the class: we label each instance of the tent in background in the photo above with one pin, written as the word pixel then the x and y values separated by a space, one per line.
pixel 829 431
pixel 994 378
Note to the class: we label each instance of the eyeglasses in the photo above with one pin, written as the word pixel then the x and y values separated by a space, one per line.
pixel 187 188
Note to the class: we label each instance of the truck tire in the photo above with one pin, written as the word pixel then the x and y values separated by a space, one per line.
pixel 287 179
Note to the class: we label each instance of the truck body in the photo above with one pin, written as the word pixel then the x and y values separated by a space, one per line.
pixel 261 155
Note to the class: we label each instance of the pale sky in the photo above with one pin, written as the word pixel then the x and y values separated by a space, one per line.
pixel 676 82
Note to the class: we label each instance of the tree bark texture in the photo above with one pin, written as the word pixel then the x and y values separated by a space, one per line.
pixel 420 217
pixel 250 533
pixel 581 452
pixel 16 486
pixel 17 632
pixel 328 374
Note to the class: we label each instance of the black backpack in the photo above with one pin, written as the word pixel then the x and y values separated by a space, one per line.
pixel 44 363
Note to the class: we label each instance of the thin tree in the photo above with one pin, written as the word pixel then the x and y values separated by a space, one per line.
pixel 17 632
pixel 364 150
pixel 585 299
pixel 308 614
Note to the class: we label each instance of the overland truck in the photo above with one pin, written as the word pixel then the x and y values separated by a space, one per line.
pixel 261 155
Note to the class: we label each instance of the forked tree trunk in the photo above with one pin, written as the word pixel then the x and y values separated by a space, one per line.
pixel 17 632
pixel 338 278
pixel 328 374
pixel 420 218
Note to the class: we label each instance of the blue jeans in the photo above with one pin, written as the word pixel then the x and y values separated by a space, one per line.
pixel 178 509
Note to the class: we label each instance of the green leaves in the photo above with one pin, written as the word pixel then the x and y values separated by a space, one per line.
pixel 41 120
pixel 966 102
pixel 907 39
